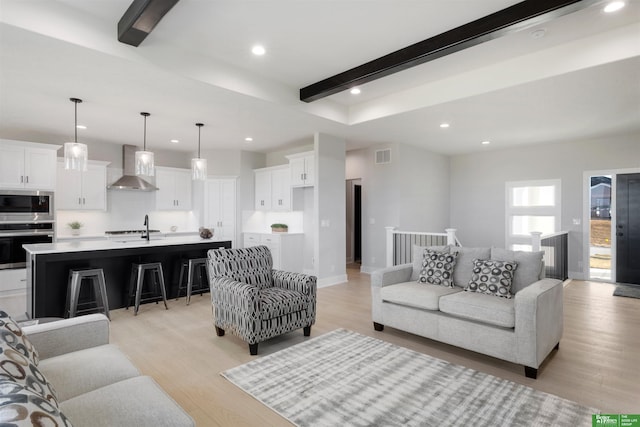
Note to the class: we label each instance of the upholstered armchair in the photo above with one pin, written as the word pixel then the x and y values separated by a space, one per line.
pixel 255 302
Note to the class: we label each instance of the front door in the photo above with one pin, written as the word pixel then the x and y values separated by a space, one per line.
pixel 628 228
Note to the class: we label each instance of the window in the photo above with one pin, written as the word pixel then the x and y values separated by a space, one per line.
pixel 531 206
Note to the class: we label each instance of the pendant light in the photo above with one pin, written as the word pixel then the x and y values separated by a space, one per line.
pixel 144 159
pixel 199 165
pixel 75 154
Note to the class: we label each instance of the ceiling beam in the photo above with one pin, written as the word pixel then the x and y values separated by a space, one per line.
pixel 514 18
pixel 141 18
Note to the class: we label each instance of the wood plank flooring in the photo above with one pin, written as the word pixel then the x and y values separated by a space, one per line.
pixel 598 363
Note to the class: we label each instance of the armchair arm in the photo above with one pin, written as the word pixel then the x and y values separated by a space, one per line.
pixel 539 320
pixel 68 335
pixel 234 296
pixel 391 275
pixel 295 281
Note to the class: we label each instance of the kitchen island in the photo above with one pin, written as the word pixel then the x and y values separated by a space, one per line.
pixel 48 266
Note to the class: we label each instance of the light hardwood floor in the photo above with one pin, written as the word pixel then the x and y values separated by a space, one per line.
pixel 598 363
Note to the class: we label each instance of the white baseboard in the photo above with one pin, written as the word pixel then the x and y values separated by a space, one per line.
pixel 576 275
pixel 333 280
pixel 368 269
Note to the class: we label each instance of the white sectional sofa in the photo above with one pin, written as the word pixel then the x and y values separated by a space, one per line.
pixel 66 373
pixel 523 328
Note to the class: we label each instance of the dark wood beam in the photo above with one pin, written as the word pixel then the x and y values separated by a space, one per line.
pixel 498 24
pixel 141 18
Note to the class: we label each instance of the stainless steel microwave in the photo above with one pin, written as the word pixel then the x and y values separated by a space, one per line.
pixel 26 206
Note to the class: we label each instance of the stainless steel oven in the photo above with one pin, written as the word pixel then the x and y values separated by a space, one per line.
pixel 26 206
pixel 13 235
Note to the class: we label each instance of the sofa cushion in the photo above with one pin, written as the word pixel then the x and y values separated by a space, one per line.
pixel 492 277
pixel 530 266
pixel 22 407
pixel 418 257
pixel 82 371
pixel 464 264
pixel 480 307
pixel 138 402
pixel 276 302
pixel 417 295
pixel 16 367
pixel 437 268
pixel 11 334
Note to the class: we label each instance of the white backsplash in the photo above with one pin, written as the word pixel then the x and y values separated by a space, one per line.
pixel 126 211
pixel 260 221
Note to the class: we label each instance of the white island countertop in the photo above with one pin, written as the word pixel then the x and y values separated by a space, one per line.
pixel 102 245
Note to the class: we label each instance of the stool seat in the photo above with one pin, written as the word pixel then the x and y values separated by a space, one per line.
pixel 190 265
pixel 136 284
pixel 76 277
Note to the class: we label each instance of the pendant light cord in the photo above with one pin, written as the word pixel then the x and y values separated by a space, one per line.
pixel 199 129
pixel 144 140
pixel 76 101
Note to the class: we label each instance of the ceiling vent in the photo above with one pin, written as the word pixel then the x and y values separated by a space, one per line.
pixel 383 156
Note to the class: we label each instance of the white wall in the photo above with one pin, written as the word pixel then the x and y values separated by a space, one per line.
pixel 478 185
pixel 277 158
pixel 411 193
pixel 330 205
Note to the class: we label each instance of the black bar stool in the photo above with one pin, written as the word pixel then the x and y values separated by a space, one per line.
pixel 99 302
pixel 191 265
pixel 136 284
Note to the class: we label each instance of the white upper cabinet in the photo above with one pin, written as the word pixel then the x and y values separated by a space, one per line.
pixel 27 165
pixel 174 189
pixel 220 208
pixel 76 190
pixel 273 189
pixel 302 167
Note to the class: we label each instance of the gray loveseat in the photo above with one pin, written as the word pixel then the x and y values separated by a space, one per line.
pixel 522 329
pixel 66 373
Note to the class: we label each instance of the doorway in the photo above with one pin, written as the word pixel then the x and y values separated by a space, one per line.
pixel 354 223
pixel 612 246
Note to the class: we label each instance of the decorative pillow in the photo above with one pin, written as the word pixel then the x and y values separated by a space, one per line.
pixel 22 407
pixel 492 277
pixel 17 368
pixel 11 334
pixel 418 257
pixel 530 266
pixel 437 268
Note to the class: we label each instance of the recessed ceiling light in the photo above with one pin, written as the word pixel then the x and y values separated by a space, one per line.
pixel 81 126
pixel 539 33
pixel 248 139
pixel 355 91
pixel 614 6
pixel 175 141
pixel 258 50
pixel 444 125
pixel 486 142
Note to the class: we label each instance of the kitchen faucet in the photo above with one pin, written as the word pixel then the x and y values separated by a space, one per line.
pixel 146 224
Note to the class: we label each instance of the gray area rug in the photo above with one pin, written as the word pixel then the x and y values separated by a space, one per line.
pixel 346 379
pixel 631 291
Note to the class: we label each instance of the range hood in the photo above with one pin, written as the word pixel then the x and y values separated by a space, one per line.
pixel 129 181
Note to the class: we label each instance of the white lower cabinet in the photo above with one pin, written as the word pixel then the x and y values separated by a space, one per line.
pixel 13 292
pixel 286 249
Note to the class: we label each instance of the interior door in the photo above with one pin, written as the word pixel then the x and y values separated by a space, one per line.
pixel 628 228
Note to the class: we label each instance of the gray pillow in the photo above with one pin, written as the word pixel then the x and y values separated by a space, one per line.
pixel 464 265
pixel 418 257
pixel 529 266
pixel 492 277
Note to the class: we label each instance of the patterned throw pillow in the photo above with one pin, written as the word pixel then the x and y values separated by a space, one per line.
pixel 492 277
pixel 22 407
pixel 437 268
pixel 11 334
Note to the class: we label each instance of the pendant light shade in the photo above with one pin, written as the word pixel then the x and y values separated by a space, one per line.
pixel 199 165
pixel 145 164
pixel 75 154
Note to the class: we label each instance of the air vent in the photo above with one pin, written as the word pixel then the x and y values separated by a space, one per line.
pixel 383 156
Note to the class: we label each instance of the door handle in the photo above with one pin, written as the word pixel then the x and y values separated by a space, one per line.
pixel 84 201
pixel 27 179
pixel 620 234
pixel 21 179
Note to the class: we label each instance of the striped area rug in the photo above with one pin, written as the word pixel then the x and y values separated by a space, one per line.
pixel 346 379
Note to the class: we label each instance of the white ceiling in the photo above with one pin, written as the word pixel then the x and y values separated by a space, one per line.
pixel 578 81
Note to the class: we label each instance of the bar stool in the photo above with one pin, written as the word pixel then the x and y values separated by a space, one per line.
pixel 138 271
pixel 77 276
pixel 191 265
